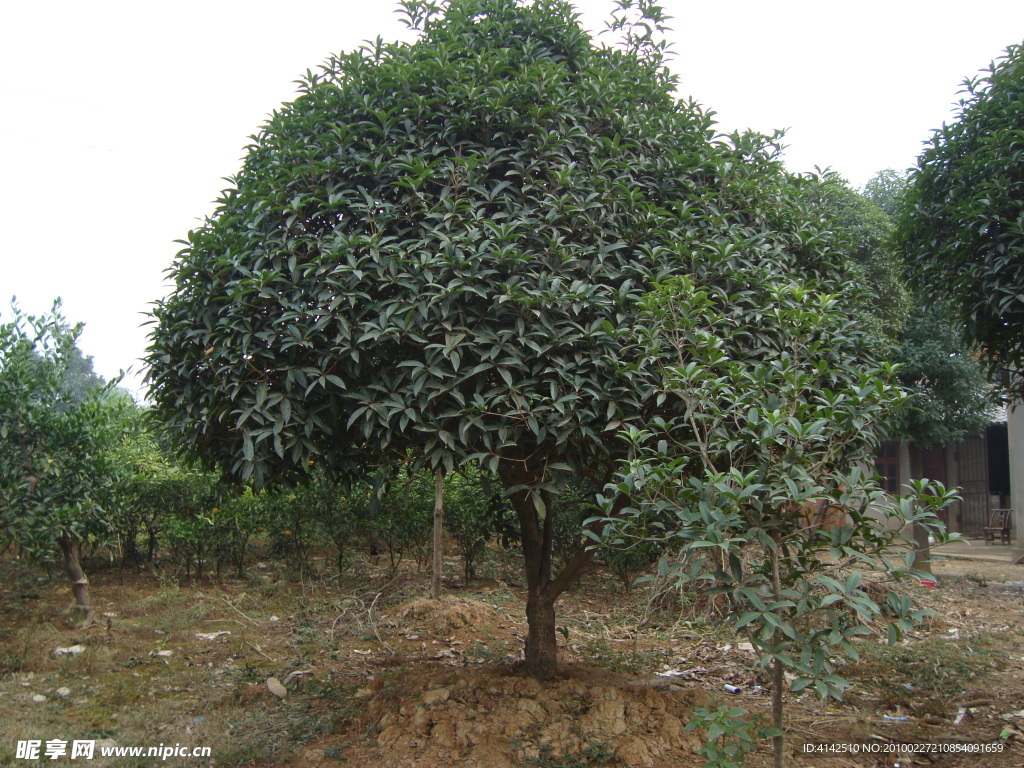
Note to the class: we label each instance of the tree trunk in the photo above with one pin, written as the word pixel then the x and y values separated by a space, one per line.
pixel 80 610
pixel 778 673
pixel 438 563
pixel 536 524
pixel 779 740
pixel 922 548
pixel 377 546
pixel 541 645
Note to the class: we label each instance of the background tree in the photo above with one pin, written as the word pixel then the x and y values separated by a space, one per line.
pixel 866 228
pixel 960 222
pixel 147 485
pixel 438 251
pixel 469 517
pixel 885 189
pixel 55 472
pixel 81 379
pixel 952 398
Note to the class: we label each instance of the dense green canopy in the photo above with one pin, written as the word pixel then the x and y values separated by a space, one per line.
pixel 961 224
pixel 439 245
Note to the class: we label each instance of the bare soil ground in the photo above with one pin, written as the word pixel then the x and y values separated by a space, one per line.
pixel 377 676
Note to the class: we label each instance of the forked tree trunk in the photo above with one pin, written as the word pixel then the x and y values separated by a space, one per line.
pixel 536 525
pixel 80 610
pixel 438 562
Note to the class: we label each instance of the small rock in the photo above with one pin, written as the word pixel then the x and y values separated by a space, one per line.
pixel 275 687
pixel 63 692
pixel 165 653
pixel 38 698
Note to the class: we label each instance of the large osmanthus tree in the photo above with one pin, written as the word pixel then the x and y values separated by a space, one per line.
pixel 960 223
pixel 438 250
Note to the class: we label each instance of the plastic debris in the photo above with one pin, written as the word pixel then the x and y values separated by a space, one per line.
pixel 72 650
pixel 212 635
pixel 670 673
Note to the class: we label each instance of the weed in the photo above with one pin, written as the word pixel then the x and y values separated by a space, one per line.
pixel 976 578
pixel 263 737
pixel 729 735
pixel 500 597
pixel 339 694
pixel 591 754
pixel 249 674
pixel 599 652
pixel 497 652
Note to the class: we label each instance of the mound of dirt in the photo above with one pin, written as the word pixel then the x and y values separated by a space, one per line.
pixel 494 718
pixel 441 616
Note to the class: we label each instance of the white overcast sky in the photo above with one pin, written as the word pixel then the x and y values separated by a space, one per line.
pixel 119 120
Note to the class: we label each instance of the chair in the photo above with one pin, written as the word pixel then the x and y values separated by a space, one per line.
pixel 999 524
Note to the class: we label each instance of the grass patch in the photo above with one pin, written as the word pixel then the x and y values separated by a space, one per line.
pixel 926 676
pixel 600 652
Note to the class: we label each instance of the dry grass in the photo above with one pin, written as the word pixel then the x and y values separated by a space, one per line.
pixel 345 651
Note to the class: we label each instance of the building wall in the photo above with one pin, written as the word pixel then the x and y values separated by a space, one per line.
pixel 964 466
pixel 974 509
pixel 1015 423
